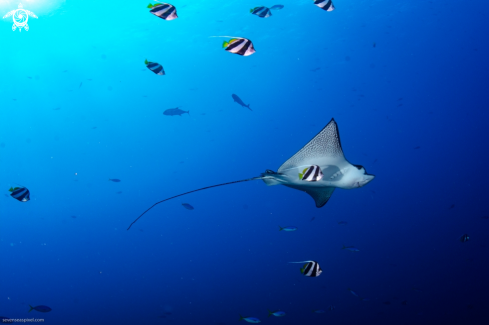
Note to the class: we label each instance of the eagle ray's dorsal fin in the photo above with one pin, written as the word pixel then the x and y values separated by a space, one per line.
pixel 325 145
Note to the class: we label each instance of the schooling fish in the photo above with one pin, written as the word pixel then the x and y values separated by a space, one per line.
pixel 276 313
pixel 40 308
pixel 115 180
pixel 277 7
pixel 21 194
pixel 311 174
pixel 175 111
pixel 319 311
pixel 165 11
pixel 155 67
pixel 464 238
pixel 290 228
pixel 240 102
pixel 353 292
pixel 187 206
pixel 342 223
pixel 311 268
pixel 253 320
pixel 324 4
pixel 240 46
pixel 262 12
pixel 351 248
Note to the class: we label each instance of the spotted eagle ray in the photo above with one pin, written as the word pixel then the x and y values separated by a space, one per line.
pixel 324 150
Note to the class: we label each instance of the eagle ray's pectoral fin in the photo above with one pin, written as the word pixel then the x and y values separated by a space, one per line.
pixel 320 195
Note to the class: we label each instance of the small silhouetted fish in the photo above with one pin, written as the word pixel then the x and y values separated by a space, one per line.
pixel 240 102
pixel 313 218
pixel 375 44
pixel 400 105
pixel 74 217
pixel 451 207
pixel 120 192
pixel 277 7
pixel 386 302
pixel 418 147
pixel 175 111
pixel 315 69
pixel 6 195
pixel 56 109
pixel 470 306
pixel 404 302
pixel 374 161
pixel 351 248
pixel 29 77
pixel 40 308
pixel 347 58
pixel 288 228
pixel 114 180
pixel 485 217
pixel 464 238
pixel 93 128
pixel 187 206
pixel 342 223
pixel 81 83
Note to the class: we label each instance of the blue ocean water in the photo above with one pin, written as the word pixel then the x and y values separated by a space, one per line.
pixel 405 81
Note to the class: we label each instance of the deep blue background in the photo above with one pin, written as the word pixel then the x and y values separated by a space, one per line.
pixel 424 84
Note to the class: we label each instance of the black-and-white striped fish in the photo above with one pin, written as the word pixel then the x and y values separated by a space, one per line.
pixel 311 174
pixel 155 67
pixel 241 46
pixel 21 194
pixel 311 268
pixel 324 4
pixel 262 12
pixel 165 11
pixel 464 238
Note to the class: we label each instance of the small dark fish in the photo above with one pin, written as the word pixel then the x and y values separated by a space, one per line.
pixel 93 128
pixel 40 308
pixel 386 302
pixel 114 180
pixel 81 83
pixel 240 102
pixel 485 217
pixel 155 67
pixel 21 194
pixel 187 206
pixel 315 69
pixel 418 147
pixel 464 238
pixel 74 217
pixel 451 207
pixel 165 11
pixel 29 77
pixel 342 223
pixel 175 111
pixel 120 192
pixel 324 4
pixel 374 161
pixel 313 219
pixel 400 105
pixel 277 7
pixel 404 302
pixel 56 109
pixel 375 44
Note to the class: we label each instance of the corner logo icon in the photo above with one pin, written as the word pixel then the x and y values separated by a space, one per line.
pixel 20 17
